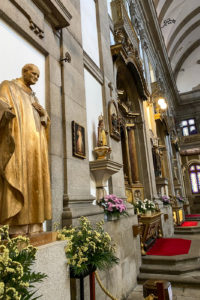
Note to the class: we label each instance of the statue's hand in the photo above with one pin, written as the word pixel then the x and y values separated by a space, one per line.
pixel 39 109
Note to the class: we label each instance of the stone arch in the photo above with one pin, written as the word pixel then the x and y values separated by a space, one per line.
pixel 126 79
pixel 191 162
pixel 140 81
pixel 188 188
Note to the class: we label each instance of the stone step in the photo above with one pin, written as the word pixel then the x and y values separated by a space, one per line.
pixel 191 279
pixel 177 260
pixel 192 219
pixel 178 269
pixel 170 269
pixel 195 209
pixel 187 230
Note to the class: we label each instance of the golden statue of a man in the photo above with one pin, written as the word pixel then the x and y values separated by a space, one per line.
pixel 102 133
pixel 25 198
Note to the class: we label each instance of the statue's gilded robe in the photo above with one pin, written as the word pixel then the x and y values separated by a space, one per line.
pixel 25 196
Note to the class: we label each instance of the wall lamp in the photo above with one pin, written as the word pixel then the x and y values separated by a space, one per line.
pixel 162 103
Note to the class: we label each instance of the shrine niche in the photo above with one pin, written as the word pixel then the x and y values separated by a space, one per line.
pixel 114 120
pixel 129 115
pixel 132 91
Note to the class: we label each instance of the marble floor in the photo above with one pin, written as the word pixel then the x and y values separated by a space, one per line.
pixel 179 293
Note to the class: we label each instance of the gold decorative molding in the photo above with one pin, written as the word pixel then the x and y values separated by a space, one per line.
pixel 157 90
pixel 126 110
pixel 122 23
pixel 127 46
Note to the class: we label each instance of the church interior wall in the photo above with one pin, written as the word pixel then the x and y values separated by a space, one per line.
pixel 49 48
pixel 80 90
pixel 24 53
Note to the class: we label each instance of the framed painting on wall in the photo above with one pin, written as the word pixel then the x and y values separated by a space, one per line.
pixel 78 140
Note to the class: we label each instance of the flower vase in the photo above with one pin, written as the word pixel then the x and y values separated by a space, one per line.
pixel 148 213
pixel 111 217
pixel 90 270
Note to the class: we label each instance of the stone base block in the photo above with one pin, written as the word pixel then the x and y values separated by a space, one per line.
pixel 51 260
pixel 43 238
pixel 167 221
pixel 122 278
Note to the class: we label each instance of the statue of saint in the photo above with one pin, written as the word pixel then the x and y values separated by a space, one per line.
pixel 156 161
pixel 25 198
pixel 102 133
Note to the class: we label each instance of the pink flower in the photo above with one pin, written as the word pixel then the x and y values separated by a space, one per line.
pixel 110 206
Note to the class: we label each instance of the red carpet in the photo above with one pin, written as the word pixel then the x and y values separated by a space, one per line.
pixel 170 247
pixel 189 223
pixel 192 216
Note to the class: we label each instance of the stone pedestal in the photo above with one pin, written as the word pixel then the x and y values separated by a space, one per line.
pixel 51 260
pixel 43 238
pixel 102 152
pixel 122 278
pixel 162 186
pixel 167 221
pixel 102 170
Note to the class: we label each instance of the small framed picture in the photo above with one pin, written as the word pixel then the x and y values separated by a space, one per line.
pixel 78 140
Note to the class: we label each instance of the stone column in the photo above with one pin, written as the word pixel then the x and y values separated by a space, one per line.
pixel 133 155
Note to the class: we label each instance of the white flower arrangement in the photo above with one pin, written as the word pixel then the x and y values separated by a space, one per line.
pixel 143 206
pixel 150 205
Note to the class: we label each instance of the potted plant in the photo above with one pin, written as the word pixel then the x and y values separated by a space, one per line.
pixel 113 207
pixel 144 207
pixel 165 200
pixel 16 258
pixel 88 248
pixel 150 206
pixel 140 207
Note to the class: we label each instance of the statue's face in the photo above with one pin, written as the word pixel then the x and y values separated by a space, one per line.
pixel 31 76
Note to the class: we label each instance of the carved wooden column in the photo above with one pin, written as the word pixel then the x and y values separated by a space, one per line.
pixel 133 154
pixel 128 157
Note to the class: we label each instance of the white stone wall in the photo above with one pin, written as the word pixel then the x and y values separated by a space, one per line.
pixel 24 53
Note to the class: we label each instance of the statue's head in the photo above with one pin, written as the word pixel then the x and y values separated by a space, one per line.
pixel 30 74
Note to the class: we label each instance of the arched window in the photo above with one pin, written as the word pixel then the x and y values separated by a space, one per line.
pixel 194 171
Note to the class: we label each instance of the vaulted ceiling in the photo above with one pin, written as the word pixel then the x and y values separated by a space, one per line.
pixel 180 24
